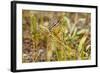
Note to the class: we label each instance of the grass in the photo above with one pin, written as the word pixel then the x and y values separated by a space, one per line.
pixel 55 36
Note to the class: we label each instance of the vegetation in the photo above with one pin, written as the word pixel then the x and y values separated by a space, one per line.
pixel 55 36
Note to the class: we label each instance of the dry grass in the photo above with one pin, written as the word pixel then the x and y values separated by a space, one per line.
pixel 55 36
